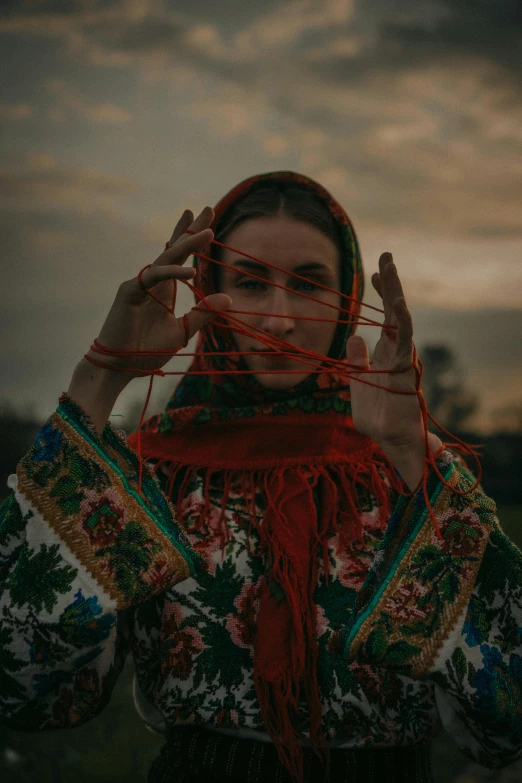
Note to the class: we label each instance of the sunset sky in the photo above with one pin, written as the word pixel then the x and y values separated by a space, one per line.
pixel 115 116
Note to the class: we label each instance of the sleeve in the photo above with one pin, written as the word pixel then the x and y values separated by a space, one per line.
pixel 449 611
pixel 79 548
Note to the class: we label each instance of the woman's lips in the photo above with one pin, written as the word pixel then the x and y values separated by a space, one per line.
pixel 276 357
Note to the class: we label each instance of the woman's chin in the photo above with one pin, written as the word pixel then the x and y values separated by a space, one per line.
pixel 281 380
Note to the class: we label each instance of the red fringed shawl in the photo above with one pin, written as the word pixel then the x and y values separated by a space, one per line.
pixel 299 462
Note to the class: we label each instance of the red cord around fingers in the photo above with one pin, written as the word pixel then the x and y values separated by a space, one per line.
pixel 149 292
pixel 140 278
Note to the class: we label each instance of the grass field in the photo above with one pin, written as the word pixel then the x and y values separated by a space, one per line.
pixel 116 746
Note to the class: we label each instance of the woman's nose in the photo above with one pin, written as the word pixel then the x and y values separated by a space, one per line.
pixel 279 320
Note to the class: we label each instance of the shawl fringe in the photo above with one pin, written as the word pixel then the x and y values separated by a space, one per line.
pixel 291 535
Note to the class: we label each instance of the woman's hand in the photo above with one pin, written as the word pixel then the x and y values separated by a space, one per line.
pixel 393 421
pixel 138 323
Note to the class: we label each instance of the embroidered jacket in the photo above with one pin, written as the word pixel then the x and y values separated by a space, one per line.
pixel 413 631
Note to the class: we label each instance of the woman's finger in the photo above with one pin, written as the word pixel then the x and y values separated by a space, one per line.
pixel 205 311
pixel 384 261
pixel 183 223
pixel 392 284
pixel 376 280
pixel 404 349
pixel 391 288
pixel 203 220
pixel 158 274
pixel 183 248
pixel 357 355
pixel 187 221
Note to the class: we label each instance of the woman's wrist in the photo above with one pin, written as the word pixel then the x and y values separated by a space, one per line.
pixel 96 390
pixel 408 459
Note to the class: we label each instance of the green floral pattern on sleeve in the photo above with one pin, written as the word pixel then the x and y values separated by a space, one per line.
pixel 449 612
pixel 78 544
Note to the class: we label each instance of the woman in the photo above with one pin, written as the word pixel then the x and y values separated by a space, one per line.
pixel 299 616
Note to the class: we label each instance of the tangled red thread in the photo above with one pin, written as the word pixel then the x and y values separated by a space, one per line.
pixel 313 362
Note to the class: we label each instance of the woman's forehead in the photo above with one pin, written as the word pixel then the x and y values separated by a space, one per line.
pixel 281 241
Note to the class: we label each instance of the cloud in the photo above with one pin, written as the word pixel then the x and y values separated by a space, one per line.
pixel 288 23
pixel 425 137
pixel 229 111
pixel 422 141
pixel 91 111
pixel 15 111
pixel 491 31
pixel 103 33
pixel 39 183
pixel 344 46
pixel 403 162
pixel 446 273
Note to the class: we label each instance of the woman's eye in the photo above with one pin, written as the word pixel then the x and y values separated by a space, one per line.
pixel 305 286
pixel 251 285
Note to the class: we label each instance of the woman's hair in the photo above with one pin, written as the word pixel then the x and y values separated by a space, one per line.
pixel 268 199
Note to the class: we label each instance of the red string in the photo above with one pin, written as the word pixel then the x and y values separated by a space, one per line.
pixel 368 321
pixel 278 343
pixel 149 292
pixel 279 269
pixel 280 346
pixel 295 317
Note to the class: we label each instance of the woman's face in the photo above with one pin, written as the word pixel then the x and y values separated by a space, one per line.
pixel 297 247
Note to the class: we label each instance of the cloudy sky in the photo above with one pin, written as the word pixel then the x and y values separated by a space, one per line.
pixel 117 115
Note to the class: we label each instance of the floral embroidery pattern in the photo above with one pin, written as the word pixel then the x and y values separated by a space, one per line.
pixel 415 611
pixel 112 533
pixel 180 644
pixel 241 624
pixel 102 519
